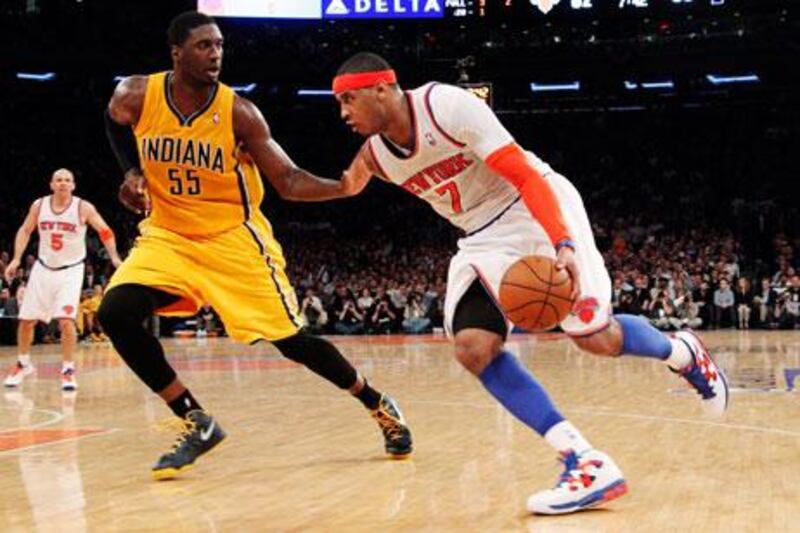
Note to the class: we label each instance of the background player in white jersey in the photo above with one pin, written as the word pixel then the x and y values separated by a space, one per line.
pixel 54 287
pixel 446 146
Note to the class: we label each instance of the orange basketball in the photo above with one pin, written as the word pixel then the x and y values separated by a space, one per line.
pixel 534 295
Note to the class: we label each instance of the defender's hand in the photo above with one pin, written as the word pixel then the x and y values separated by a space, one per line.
pixel 133 192
pixel 565 258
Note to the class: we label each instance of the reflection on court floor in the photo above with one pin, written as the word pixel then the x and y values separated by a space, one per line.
pixel 303 455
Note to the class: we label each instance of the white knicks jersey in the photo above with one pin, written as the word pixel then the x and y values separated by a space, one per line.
pixel 62 236
pixel 454 132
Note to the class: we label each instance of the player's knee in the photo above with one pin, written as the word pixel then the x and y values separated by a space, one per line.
pixel 121 307
pixel 476 348
pixel 607 342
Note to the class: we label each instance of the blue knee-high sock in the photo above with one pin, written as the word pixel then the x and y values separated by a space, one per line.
pixel 519 392
pixel 639 337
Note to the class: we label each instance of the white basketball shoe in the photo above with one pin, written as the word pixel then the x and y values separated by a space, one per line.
pixel 589 480
pixel 18 373
pixel 704 375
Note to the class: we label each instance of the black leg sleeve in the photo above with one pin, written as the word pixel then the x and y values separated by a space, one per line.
pixel 122 313
pixel 319 356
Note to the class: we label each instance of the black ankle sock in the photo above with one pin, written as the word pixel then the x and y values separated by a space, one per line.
pixel 369 396
pixel 183 404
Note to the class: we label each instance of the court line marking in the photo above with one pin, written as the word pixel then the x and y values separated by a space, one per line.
pixel 594 411
pixel 64 441
pixel 58 417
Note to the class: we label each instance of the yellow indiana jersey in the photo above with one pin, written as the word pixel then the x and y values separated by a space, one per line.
pixel 200 182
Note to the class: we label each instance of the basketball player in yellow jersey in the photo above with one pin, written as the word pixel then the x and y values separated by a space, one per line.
pixel 191 151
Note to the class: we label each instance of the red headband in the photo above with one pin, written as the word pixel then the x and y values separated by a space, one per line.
pixel 359 80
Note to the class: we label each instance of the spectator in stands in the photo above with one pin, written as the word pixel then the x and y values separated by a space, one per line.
pixel 764 303
pixel 687 313
pixel 662 310
pixel 316 318
pixel 87 323
pixel 787 306
pixel 616 294
pixel 704 299
pixel 8 304
pixel 724 311
pixel 383 315
pixel 414 319
pixel 365 301
pixel 743 299
pixel 349 321
pixel 641 298
pixel 208 322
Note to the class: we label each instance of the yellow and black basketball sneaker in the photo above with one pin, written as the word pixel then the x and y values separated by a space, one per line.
pixel 201 433
pixel 396 435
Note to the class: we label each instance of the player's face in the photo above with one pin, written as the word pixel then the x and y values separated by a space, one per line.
pixel 201 54
pixel 362 110
pixel 62 182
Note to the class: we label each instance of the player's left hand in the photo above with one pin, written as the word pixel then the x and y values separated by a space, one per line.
pixel 133 193
pixel 356 177
pixel 565 258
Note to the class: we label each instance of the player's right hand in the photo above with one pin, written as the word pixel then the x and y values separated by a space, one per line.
pixel 11 269
pixel 133 192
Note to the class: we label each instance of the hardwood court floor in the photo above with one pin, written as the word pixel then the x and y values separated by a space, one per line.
pixel 302 455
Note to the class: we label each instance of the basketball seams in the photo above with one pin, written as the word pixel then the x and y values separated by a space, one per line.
pixel 534 289
pixel 530 281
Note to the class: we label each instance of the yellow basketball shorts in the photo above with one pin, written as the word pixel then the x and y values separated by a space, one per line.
pixel 240 273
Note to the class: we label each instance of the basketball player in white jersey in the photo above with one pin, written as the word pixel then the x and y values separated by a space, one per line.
pixel 444 145
pixel 53 290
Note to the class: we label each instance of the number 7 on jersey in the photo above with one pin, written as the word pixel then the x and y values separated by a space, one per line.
pixel 455 196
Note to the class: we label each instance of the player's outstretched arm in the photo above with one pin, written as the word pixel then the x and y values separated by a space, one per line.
pixel 93 218
pixel 123 113
pixel 22 239
pixel 291 181
pixel 360 171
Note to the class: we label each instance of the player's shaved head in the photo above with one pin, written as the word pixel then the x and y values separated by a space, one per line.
pixel 182 25
pixel 63 173
pixel 363 62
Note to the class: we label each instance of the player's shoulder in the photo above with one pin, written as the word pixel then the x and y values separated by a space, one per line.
pixel 132 86
pixel 247 118
pixel 436 90
pixel 445 99
pixel 84 206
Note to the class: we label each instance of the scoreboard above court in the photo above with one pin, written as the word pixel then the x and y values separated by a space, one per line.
pixel 443 9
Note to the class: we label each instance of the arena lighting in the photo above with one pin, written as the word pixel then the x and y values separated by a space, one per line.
pixel 667 84
pixel 545 87
pixel 721 80
pixel 246 89
pixel 44 76
pixel 314 92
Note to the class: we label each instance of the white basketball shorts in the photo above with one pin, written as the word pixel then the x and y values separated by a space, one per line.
pixel 487 254
pixel 52 293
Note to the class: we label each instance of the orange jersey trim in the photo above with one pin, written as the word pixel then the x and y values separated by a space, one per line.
pixel 512 163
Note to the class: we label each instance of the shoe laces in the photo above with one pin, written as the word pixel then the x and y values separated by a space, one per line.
pixel 185 426
pixel 575 474
pixel 391 426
